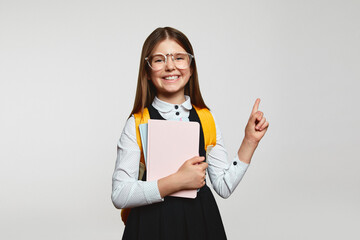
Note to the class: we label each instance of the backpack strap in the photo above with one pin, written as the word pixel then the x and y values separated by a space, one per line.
pixel 140 118
pixel 208 126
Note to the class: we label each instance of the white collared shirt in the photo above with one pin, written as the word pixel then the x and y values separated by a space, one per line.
pixel 128 191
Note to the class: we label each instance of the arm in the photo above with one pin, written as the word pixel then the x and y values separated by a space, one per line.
pixel 225 176
pixel 254 132
pixel 127 190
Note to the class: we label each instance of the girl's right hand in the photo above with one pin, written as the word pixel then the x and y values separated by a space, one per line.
pixel 191 174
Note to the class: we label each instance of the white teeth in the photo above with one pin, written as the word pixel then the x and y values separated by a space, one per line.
pixel 171 77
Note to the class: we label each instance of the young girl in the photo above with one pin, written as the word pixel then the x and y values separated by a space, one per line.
pixel 168 89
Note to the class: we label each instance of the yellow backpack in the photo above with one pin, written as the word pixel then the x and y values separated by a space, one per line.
pixel 209 130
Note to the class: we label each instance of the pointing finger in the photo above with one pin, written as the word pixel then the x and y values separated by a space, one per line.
pixel 256 106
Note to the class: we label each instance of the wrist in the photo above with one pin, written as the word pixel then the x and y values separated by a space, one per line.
pixel 250 142
pixel 177 181
pixel 168 185
pixel 247 150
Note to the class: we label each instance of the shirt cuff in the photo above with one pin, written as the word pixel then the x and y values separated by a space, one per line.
pixel 152 193
pixel 240 164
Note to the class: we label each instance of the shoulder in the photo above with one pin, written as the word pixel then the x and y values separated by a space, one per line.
pixel 213 115
pixel 218 132
pixel 130 122
pixel 127 139
pixel 129 130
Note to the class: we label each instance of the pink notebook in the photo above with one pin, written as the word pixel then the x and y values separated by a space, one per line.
pixel 170 144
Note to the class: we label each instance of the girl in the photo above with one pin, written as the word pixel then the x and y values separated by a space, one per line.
pixel 168 89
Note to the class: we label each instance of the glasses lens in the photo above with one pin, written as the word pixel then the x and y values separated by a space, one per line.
pixel 157 61
pixel 182 60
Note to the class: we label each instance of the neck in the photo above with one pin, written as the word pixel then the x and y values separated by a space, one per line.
pixel 173 99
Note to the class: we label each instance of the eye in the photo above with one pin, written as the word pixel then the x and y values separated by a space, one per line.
pixel 180 57
pixel 158 59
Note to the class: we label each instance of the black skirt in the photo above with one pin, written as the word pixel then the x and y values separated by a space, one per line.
pixel 177 218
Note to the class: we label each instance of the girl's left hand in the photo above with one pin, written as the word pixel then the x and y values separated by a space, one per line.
pixel 257 124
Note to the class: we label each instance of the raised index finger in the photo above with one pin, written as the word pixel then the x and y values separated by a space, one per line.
pixel 256 106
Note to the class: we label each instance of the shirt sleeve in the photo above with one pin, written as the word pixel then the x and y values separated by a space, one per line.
pixel 127 190
pixel 224 175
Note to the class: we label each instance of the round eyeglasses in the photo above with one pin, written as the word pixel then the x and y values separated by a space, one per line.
pixel 158 61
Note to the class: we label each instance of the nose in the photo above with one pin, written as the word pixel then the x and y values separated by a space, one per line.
pixel 170 65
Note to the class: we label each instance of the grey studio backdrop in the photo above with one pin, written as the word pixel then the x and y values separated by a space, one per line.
pixel 68 72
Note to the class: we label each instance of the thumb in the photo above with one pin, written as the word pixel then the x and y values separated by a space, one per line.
pixel 196 160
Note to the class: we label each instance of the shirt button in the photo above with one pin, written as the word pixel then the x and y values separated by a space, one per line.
pixel 176 106
pixel 234 162
pixel 177 113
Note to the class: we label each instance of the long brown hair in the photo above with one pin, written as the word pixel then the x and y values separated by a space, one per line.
pixel 145 90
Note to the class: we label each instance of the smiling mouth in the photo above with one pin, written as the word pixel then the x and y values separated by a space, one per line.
pixel 171 77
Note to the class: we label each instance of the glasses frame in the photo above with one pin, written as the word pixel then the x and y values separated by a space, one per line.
pixel 172 57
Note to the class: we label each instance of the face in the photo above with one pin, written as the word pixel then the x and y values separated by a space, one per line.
pixel 170 81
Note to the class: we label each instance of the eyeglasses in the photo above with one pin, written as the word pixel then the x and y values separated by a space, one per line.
pixel 158 61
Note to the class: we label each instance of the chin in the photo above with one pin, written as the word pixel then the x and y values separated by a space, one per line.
pixel 171 90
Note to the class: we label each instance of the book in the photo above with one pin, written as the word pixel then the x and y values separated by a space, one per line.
pixel 169 145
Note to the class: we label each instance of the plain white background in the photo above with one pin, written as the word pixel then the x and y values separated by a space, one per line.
pixel 68 71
